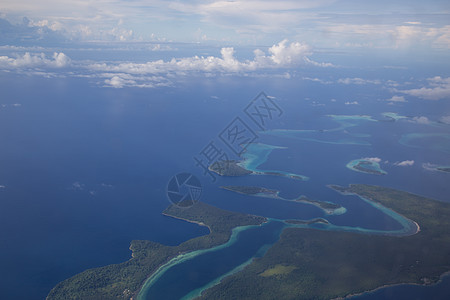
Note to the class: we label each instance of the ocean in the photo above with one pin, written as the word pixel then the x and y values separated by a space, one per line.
pixel 85 168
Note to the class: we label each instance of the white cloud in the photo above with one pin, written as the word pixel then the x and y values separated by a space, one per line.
pixel 315 79
pixel 252 16
pixel 351 103
pixel 438 88
pixel 397 99
pixel 322 22
pixel 283 55
pixel 294 53
pixel 107 185
pixel 445 120
pixel 77 186
pixel 28 60
pixel 389 34
pixel 429 166
pixel 118 82
pixel 420 120
pixel 373 159
pixel 405 163
pixel 60 60
pixel 2 187
pixel 358 81
pixel 11 105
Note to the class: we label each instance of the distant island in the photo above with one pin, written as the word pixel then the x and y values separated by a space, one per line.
pixel 229 168
pixel 366 165
pixel 234 168
pixel 321 264
pixel 433 167
pixel 328 207
pixel 252 191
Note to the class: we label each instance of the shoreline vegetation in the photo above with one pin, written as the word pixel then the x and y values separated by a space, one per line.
pixel 338 265
pixel 366 166
pixel 229 168
pixel 238 168
pixel 124 280
pixel 393 285
pixel 328 208
pixel 309 263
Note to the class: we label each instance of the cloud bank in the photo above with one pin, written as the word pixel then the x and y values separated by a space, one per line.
pixel 282 55
pixel 278 58
pixel 359 81
pixel 445 120
pixel 58 60
pixel 329 23
pixel 420 120
pixel 438 88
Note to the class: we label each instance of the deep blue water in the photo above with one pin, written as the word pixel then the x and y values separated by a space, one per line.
pixel 85 168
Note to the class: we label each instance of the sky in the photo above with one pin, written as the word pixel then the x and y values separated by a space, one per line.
pixel 320 23
pixel 179 38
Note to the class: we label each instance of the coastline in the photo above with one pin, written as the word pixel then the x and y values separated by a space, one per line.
pixel 350 296
pixel 380 206
pixel 275 194
pixel 187 220
pixel 141 294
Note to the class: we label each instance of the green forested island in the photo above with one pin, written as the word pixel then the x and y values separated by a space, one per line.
pixel 317 264
pixel 229 168
pixel 366 166
pixel 328 207
pixel 308 222
pixel 251 190
pixel 123 281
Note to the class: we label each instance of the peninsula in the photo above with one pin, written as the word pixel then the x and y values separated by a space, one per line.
pixel 328 207
pixel 123 281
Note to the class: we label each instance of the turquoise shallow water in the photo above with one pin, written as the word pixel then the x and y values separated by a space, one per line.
pixel 264 158
pixel 84 169
pixel 257 154
pixel 367 166
pixel 187 275
pixel 193 272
